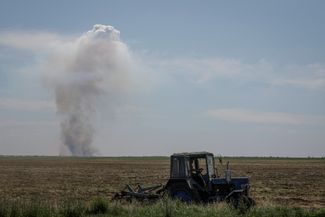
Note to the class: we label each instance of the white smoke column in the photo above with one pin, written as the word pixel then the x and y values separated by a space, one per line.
pixel 79 72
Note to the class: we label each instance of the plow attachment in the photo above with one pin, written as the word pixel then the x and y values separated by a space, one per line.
pixel 140 193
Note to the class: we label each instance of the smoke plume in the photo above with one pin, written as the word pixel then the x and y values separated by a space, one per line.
pixel 79 72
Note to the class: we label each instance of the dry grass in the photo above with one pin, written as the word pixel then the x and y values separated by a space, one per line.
pixel 297 182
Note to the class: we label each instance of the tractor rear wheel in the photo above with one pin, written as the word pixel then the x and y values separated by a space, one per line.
pixel 182 192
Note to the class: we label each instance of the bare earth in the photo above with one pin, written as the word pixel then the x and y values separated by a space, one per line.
pixel 293 182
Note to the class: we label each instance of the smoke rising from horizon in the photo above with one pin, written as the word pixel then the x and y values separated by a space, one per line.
pixel 79 72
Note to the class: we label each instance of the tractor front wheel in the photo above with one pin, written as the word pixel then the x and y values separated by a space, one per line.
pixel 240 201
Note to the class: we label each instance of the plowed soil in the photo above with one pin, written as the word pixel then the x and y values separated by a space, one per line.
pixel 292 182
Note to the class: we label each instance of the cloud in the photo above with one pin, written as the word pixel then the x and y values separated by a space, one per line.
pixel 206 69
pixel 155 68
pixel 305 83
pixel 6 123
pixel 26 105
pixel 35 41
pixel 256 117
pixel 310 76
pixel 203 70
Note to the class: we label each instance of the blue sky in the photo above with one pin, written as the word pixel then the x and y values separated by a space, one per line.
pixel 230 77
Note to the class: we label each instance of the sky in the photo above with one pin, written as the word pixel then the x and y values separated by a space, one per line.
pixel 236 78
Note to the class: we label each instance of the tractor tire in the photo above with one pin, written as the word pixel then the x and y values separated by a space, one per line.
pixel 182 192
pixel 241 202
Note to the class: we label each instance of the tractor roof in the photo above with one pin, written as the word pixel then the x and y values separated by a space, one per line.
pixel 192 154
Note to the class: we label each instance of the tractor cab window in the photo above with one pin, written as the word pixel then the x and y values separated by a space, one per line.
pixel 198 165
pixel 210 164
pixel 179 168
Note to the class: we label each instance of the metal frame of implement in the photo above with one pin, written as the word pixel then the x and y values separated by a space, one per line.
pixel 140 193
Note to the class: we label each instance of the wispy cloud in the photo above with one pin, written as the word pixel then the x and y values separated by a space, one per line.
pixel 11 122
pixel 36 41
pixel 257 117
pixel 310 83
pixel 206 69
pixel 310 76
pixel 193 69
pixel 26 105
pixel 203 70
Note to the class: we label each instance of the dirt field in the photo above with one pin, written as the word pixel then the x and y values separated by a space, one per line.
pixel 297 182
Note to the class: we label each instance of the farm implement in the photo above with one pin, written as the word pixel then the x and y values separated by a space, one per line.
pixel 140 193
pixel 194 178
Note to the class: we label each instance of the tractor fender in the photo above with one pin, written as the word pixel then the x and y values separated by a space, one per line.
pixel 234 192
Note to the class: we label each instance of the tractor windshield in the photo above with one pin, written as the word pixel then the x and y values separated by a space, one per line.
pixel 204 165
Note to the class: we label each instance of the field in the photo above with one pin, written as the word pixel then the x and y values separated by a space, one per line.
pixel 298 182
pixel 276 181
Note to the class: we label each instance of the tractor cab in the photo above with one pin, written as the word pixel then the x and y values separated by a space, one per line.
pixel 198 166
pixel 193 178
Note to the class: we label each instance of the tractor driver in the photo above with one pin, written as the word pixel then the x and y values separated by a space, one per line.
pixel 196 172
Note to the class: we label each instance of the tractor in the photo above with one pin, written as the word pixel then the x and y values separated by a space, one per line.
pixel 194 178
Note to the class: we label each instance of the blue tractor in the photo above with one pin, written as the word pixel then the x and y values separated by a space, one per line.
pixel 194 178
